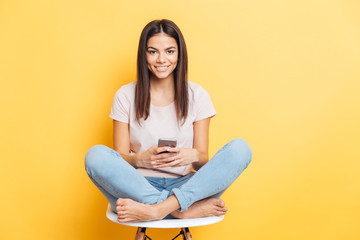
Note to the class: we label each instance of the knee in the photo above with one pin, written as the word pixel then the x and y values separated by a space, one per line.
pixel 95 156
pixel 241 151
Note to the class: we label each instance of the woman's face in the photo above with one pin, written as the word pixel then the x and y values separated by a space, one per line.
pixel 161 56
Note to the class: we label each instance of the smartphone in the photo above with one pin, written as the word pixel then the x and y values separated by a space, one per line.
pixel 167 142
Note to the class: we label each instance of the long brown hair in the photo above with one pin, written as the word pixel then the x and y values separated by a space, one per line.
pixel 142 91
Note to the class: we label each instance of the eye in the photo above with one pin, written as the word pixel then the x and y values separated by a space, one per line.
pixel 171 51
pixel 152 52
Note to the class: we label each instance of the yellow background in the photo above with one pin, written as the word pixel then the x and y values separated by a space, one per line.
pixel 284 75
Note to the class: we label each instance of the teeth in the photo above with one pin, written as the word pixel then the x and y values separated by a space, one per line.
pixel 161 68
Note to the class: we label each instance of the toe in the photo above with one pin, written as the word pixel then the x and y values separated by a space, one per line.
pixel 220 203
pixel 121 208
pixel 120 201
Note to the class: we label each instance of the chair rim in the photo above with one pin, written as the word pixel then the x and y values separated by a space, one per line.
pixel 166 223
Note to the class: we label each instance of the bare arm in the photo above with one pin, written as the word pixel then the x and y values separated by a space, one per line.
pixel 201 142
pixel 121 141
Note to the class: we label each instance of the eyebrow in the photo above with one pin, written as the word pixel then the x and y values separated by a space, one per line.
pixel 165 49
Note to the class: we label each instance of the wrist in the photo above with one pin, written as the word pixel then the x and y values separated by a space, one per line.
pixel 200 160
pixel 196 156
pixel 138 159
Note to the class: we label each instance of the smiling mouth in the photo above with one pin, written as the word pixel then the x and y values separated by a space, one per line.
pixel 162 68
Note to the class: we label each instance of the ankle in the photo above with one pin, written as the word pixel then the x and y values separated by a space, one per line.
pixel 177 214
pixel 157 212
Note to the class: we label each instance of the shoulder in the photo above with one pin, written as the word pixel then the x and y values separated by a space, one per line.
pixel 200 102
pixel 195 87
pixel 196 91
pixel 127 91
pixel 130 87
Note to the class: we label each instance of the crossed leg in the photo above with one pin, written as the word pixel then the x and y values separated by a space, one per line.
pixel 194 197
pixel 112 175
pixel 129 210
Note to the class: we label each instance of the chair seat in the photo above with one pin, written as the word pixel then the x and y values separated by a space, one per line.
pixel 166 223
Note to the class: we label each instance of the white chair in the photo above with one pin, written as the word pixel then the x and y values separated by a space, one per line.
pixel 184 224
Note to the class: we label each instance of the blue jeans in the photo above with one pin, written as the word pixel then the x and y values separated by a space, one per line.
pixel 116 178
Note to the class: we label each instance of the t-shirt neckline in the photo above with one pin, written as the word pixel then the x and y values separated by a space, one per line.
pixel 163 107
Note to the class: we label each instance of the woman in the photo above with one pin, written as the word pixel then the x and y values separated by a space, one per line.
pixel 142 181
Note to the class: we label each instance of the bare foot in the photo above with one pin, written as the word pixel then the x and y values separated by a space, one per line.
pixel 130 211
pixel 204 208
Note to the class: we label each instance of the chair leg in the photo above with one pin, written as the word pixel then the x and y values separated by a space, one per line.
pixel 186 234
pixel 140 234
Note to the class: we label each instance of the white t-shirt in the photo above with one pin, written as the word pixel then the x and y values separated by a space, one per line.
pixel 161 123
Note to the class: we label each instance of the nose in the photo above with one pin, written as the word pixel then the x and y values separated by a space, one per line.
pixel 161 58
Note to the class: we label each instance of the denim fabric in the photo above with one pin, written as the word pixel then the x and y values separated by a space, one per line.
pixel 116 178
pixel 168 183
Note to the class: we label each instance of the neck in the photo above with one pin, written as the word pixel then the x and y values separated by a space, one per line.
pixel 164 84
pixel 162 91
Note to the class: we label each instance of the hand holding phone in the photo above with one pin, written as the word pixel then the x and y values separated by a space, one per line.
pixel 167 142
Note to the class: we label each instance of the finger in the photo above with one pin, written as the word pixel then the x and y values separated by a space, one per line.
pixel 162 149
pixel 168 156
pixel 171 158
pixel 161 163
pixel 175 163
pixel 157 163
pixel 164 156
pixel 174 150
pixel 154 163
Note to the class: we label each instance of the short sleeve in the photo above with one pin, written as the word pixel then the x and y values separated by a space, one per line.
pixel 204 107
pixel 120 109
